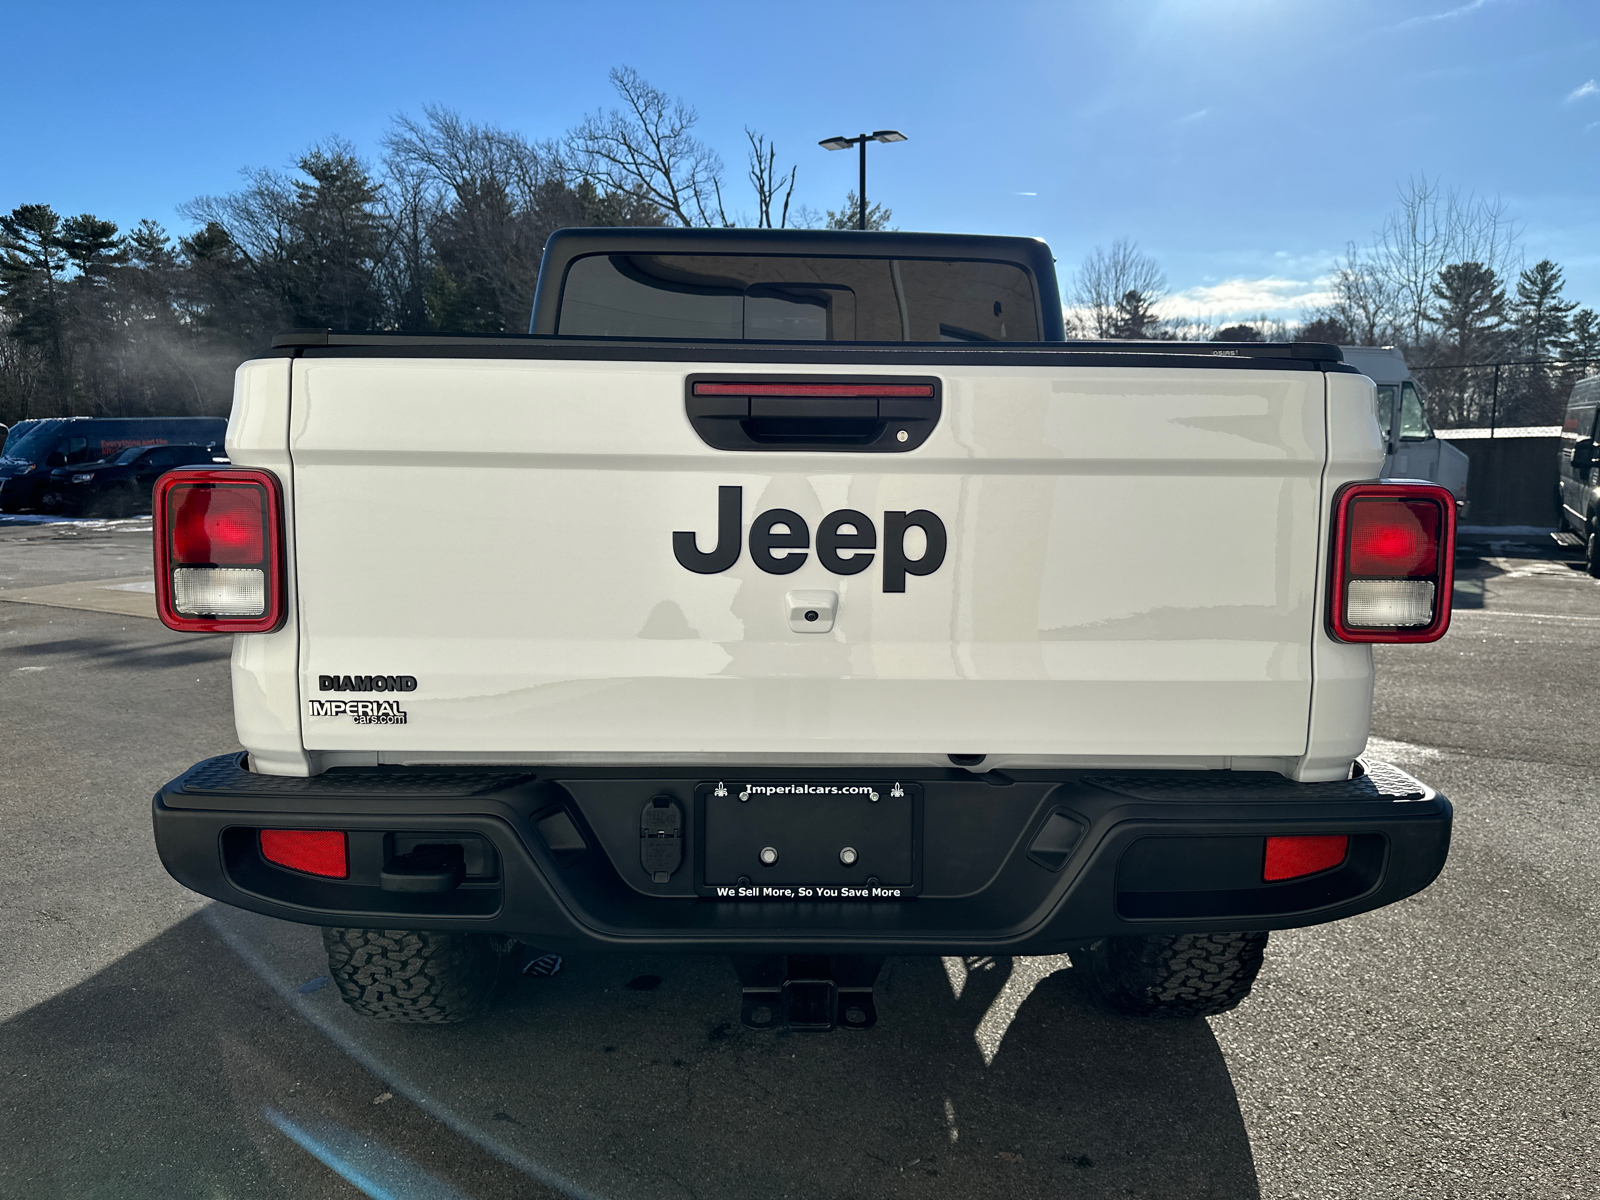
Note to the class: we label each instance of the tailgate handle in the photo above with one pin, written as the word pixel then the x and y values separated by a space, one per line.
pixel 873 414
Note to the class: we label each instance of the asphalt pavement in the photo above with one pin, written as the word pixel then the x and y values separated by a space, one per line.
pixel 155 1044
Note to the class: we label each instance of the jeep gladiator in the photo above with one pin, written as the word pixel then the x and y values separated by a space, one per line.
pixel 807 598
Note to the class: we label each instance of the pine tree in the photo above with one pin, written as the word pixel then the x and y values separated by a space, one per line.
pixel 339 243
pixel 92 247
pixel 1539 312
pixel 90 312
pixel 849 215
pixel 1470 311
pixel 1541 318
pixel 1327 329
pixel 1582 342
pixel 1135 317
pixel 32 264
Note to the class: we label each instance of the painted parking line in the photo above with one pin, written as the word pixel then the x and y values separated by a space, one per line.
pixel 1496 612
pixel 124 596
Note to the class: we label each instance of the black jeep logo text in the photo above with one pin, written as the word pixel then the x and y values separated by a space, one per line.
pixel 794 537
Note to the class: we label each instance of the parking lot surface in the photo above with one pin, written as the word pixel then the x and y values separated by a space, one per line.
pixel 152 1043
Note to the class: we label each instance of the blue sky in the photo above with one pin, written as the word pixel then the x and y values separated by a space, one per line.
pixel 1241 142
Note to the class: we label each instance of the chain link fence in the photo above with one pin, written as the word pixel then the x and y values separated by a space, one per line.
pixel 1512 393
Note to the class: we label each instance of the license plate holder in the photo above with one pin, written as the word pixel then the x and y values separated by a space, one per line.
pixel 808 824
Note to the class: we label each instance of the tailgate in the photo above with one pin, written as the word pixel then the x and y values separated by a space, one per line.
pixel 1130 567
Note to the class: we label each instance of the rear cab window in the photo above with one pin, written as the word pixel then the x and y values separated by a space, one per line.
pixel 807 298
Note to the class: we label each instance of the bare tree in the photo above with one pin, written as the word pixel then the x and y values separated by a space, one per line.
pixel 1364 300
pixel 649 147
pixel 412 206
pixel 1431 229
pixel 1113 284
pixel 485 199
pixel 258 223
pixel 312 241
pixel 764 177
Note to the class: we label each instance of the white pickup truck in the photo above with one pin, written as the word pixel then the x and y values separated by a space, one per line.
pixel 794 596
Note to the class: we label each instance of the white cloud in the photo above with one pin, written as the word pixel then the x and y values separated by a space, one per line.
pixel 1448 14
pixel 1242 298
pixel 1588 89
pixel 1198 114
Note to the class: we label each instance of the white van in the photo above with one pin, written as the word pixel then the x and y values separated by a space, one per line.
pixel 1411 449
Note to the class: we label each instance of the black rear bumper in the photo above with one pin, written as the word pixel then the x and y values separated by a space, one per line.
pixel 1032 862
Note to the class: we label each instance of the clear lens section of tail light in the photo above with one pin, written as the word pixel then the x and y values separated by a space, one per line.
pixel 219 591
pixel 1389 603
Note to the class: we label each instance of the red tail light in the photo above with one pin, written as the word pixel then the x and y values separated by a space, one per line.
pixel 1292 857
pixel 314 851
pixel 219 551
pixel 1393 562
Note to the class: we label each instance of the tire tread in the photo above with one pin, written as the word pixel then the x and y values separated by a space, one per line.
pixel 413 976
pixel 1177 975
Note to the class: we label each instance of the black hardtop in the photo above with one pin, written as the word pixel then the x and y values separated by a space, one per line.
pixel 1029 254
pixel 566 245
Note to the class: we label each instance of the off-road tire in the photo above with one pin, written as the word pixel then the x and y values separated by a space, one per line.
pixel 405 975
pixel 1177 975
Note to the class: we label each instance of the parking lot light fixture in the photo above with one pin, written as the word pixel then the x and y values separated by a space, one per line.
pixel 844 143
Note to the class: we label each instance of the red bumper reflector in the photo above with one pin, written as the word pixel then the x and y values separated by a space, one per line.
pixel 1292 857
pixel 314 851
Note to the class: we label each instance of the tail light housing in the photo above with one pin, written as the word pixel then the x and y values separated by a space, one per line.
pixel 1393 562
pixel 219 551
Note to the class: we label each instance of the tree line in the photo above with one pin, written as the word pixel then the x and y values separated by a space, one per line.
pixel 1487 337
pixel 443 232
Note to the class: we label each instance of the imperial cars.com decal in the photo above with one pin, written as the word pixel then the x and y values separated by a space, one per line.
pixel 364 712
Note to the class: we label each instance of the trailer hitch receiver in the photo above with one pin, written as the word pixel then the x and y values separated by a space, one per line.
pixel 806 992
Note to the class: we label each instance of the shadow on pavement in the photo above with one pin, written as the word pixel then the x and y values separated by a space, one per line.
pixel 156 1076
pixel 1076 1102
pixel 180 1072
pixel 110 653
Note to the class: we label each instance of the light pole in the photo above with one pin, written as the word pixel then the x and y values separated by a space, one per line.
pixel 844 143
